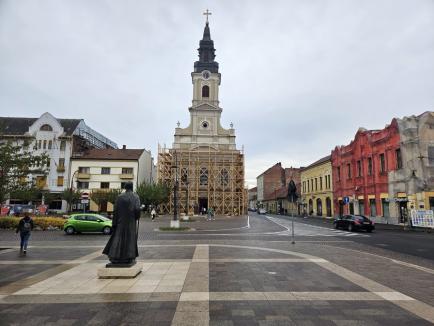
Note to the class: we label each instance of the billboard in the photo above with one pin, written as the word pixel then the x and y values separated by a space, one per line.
pixel 422 218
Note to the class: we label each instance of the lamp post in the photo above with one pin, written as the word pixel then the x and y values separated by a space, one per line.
pixel 186 198
pixel 175 222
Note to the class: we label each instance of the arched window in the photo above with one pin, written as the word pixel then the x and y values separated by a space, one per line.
pixel 203 178
pixel 224 177
pixel 46 128
pixel 205 91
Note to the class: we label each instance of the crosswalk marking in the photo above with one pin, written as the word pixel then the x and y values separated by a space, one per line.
pixel 307 230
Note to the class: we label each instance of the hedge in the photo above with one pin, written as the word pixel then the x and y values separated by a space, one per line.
pixel 10 222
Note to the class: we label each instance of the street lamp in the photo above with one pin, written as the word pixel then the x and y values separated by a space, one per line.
pixel 186 198
pixel 175 222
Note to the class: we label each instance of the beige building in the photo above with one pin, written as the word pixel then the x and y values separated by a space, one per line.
pixel 110 169
pixel 411 186
pixel 317 188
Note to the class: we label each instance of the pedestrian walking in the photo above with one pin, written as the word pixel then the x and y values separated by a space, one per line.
pixel 153 214
pixel 25 227
pixel 212 214
pixel 208 214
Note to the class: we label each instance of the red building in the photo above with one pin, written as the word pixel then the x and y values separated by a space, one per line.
pixel 360 171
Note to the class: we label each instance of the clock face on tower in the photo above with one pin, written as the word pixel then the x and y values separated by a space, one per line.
pixel 206 74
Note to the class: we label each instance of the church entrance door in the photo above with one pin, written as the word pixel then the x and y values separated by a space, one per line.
pixel 203 203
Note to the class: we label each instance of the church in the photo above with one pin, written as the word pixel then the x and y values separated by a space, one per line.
pixel 204 168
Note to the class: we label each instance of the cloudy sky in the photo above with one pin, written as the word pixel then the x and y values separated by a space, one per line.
pixel 298 77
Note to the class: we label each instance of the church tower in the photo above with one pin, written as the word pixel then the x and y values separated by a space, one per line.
pixel 204 166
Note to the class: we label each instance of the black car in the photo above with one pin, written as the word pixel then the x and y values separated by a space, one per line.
pixel 354 223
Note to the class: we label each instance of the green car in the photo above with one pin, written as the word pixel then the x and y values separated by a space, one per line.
pixel 87 222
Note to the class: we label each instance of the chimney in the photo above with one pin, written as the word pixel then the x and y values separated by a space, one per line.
pixel 124 146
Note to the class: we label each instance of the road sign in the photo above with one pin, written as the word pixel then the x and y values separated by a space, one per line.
pixel 346 200
pixel 84 195
pixel 85 201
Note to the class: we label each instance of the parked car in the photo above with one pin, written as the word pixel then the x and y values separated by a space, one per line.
pixel 354 223
pixel 87 222
pixel 262 211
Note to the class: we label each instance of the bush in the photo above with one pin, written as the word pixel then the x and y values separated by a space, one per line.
pixel 9 222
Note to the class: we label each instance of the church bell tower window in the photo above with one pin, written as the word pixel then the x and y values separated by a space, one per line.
pixel 205 91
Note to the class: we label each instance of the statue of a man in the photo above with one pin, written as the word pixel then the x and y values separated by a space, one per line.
pixel 121 248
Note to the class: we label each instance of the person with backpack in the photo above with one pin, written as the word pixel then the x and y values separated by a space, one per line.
pixel 25 226
pixel 153 214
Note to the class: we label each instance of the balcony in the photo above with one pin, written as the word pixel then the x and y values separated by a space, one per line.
pixel 83 176
pixel 60 169
pixel 126 176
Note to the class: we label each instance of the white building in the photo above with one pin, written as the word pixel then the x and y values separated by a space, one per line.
pixel 97 169
pixel 58 138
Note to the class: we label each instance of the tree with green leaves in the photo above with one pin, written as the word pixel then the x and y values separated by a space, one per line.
pixel 70 195
pixel 153 193
pixel 99 197
pixel 112 195
pixel 18 168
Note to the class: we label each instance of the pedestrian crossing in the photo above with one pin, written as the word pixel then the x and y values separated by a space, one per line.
pixel 307 230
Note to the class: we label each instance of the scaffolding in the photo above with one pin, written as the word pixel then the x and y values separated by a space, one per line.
pixel 206 178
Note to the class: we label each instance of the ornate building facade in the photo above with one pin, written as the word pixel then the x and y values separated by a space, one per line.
pixel 204 165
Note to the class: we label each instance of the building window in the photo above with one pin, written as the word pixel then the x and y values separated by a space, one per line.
pixel 84 169
pixel 308 186
pixel 184 175
pixel 123 185
pixel 431 155
pixel 60 181
pixel 203 178
pixel 316 184
pixel 369 165
pixel 398 159
pixel 320 183
pixel 338 172
pixel 46 128
pixel 39 144
pixel 311 185
pixel 359 168
pixel 62 145
pixel 349 170
pixel 382 163
pixel 127 170
pixel 45 144
pixel 105 185
pixel 82 185
pixel 105 170
pixel 205 91
pixel 224 177
pixel 50 144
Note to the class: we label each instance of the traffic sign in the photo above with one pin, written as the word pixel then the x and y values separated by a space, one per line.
pixel 85 201
pixel 346 200
pixel 84 195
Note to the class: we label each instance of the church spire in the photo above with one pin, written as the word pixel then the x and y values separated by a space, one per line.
pixel 206 51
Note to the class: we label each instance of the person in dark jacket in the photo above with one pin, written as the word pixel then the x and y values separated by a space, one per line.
pixel 25 227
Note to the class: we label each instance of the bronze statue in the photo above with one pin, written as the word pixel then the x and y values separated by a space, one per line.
pixel 121 248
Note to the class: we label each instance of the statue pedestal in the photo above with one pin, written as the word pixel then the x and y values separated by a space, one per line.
pixel 174 224
pixel 120 272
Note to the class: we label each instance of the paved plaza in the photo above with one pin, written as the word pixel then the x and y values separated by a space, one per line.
pixel 232 271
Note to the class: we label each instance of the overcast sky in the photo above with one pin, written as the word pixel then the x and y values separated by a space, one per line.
pixel 298 77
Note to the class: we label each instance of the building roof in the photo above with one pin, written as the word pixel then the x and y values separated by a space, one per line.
pixel 254 189
pixel 14 126
pixel 319 162
pixel 110 154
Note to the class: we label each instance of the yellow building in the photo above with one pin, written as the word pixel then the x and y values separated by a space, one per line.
pixel 317 188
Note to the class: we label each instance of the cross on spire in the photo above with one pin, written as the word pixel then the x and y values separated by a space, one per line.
pixel 207 13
